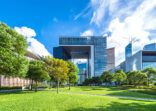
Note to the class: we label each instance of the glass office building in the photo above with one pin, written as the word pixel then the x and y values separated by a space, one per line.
pixel 142 59
pixel 110 59
pixel 150 47
pixel 149 56
pixel 91 48
pixel 81 72
pixel 128 51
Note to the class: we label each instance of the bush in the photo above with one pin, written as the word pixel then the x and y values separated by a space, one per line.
pixel 10 88
pixel 95 81
pixel 87 82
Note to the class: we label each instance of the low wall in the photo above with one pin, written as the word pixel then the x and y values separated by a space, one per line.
pixel 13 81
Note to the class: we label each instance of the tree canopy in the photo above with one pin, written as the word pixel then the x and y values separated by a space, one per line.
pixel 72 73
pixel 119 76
pixel 49 66
pixel 12 49
pixel 59 70
pixel 106 77
pixel 37 71
pixel 136 78
pixel 151 74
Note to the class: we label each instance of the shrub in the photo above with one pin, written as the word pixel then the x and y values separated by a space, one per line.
pixel 10 88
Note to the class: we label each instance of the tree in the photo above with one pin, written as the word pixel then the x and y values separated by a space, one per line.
pixel 119 77
pixel 12 49
pixel 96 81
pixel 37 72
pixel 106 77
pixel 92 81
pixel 88 81
pixel 49 67
pixel 136 78
pixel 151 74
pixel 72 73
pixel 59 71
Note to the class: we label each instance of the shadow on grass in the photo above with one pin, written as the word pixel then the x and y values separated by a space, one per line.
pixel 146 91
pixel 117 88
pixel 124 91
pixel 21 92
pixel 91 88
pixel 115 106
pixel 136 94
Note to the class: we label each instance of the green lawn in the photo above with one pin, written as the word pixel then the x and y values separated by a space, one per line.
pixel 114 91
pixel 50 101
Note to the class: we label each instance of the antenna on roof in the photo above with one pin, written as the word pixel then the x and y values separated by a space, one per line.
pixel 133 39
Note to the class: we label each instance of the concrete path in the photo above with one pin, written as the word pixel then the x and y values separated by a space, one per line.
pixel 123 97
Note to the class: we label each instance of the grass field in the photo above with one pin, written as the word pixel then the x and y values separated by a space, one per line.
pixel 114 91
pixel 50 101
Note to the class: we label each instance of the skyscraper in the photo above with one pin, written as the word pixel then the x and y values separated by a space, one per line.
pixel 128 51
pixel 91 48
pixel 110 58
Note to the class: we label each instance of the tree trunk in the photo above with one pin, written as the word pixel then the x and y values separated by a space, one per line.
pixel 51 84
pixel 148 82
pixel 69 86
pixel 31 85
pixel 36 86
pixel 0 82
pixel 57 86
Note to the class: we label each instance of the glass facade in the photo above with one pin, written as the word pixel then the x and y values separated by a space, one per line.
pixel 141 59
pixel 148 64
pixel 82 72
pixel 150 47
pixel 100 56
pixel 128 51
pixel 99 50
pixel 148 59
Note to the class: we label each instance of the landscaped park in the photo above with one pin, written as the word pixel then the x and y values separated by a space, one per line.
pixel 53 83
pixel 83 98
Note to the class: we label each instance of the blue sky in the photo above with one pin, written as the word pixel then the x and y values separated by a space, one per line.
pixel 49 18
pixel 43 21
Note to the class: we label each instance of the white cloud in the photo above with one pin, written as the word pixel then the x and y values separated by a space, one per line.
pixel 33 44
pixel 37 48
pixel 125 20
pixel 88 32
pixel 25 31
pixel 85 10
pixel 136 26
pixel 100 9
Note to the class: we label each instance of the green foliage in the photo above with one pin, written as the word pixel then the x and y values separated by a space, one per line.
pixel 119 77
pixel 37 71
pixel 73 73
pixel 88 81
pixel 106 77
pixel 49 66
pixel 92 81
pixel 59 71
pixel 12 49
pixel 136 78
pixel 10 88
pixel 96 81
pixel 151 74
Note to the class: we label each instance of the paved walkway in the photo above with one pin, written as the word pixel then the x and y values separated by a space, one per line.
pixel 123 97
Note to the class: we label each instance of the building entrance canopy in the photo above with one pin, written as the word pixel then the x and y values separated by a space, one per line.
pixel 78 52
